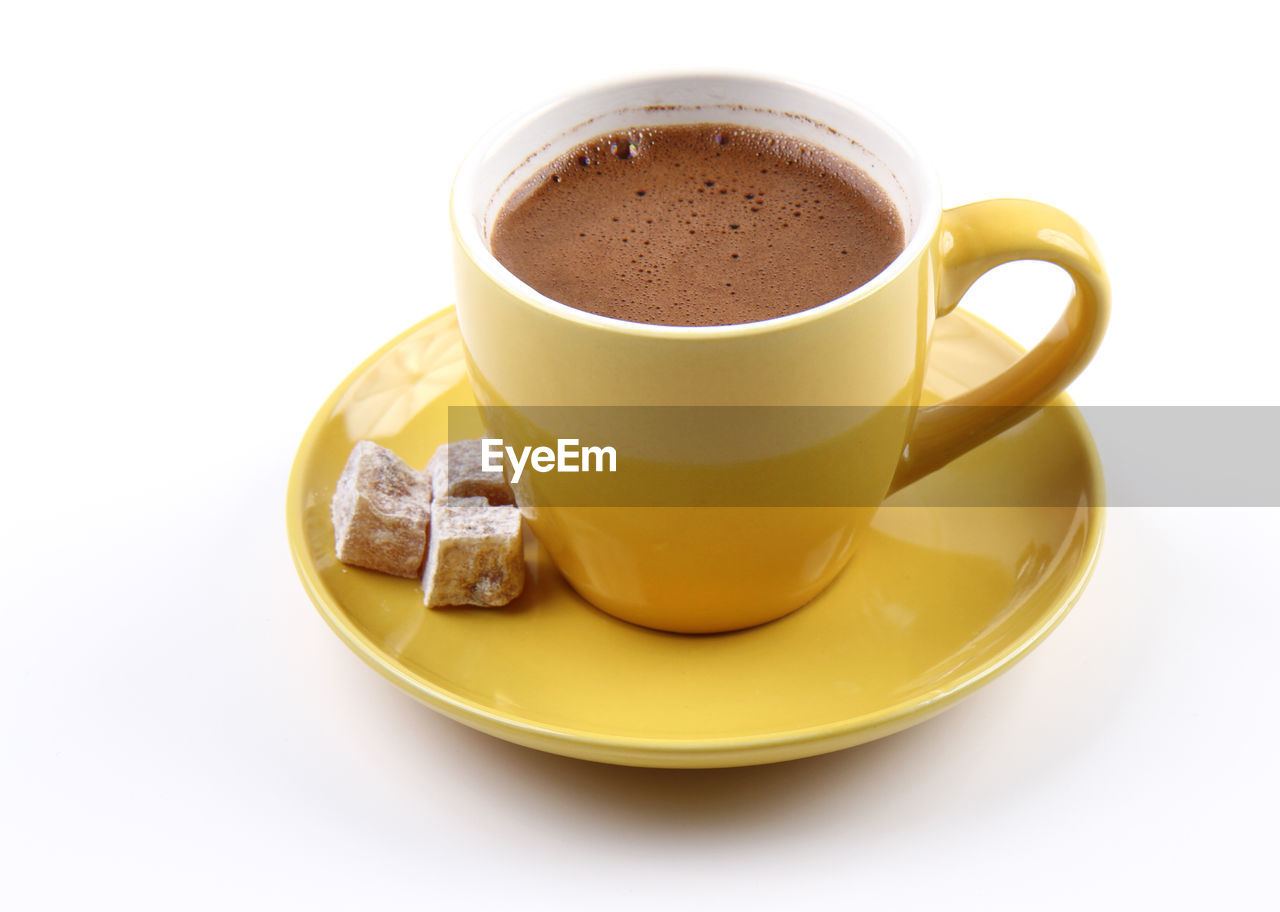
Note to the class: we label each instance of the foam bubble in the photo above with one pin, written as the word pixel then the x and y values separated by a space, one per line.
pixel 718 260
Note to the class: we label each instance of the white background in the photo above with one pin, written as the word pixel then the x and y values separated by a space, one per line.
pixel 211 212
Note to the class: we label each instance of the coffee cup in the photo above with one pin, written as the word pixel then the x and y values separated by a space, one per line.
pixel 858 361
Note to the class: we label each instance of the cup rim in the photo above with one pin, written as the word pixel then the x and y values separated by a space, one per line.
pixel 470 240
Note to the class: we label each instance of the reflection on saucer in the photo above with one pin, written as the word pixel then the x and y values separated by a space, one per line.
pixel 937 600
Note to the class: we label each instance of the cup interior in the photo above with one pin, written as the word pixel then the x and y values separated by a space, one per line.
pixel 515 150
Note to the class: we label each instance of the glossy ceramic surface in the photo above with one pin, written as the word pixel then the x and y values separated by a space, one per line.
pixel 709 570
pixel 935 602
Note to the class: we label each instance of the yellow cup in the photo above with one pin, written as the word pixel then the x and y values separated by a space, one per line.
pixel 699 569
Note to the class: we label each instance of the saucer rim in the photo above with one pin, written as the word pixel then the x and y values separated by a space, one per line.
pixel 723 751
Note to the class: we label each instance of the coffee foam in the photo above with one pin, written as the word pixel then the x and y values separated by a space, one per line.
pixel 697 224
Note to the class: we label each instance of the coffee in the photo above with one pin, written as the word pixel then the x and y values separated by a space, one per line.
pixel 697 225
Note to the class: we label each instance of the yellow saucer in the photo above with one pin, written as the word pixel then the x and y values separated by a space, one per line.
pixel 936 602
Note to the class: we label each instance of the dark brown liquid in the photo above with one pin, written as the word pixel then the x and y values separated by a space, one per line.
pixel 697 225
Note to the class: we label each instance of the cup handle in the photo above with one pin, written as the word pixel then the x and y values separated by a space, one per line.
pixel 972 240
